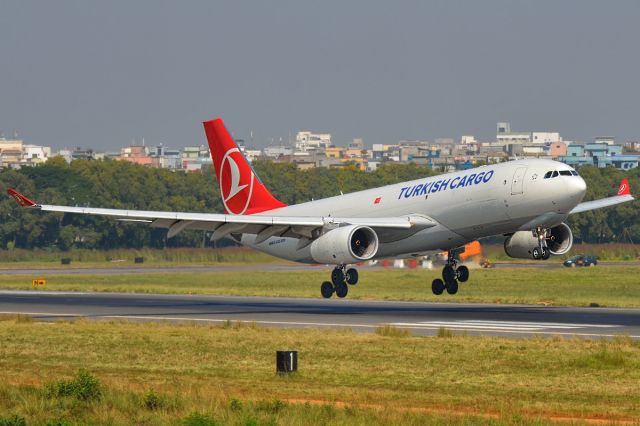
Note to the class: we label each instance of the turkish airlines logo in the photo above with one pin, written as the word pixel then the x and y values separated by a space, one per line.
pixel 18 198
pixel 235 188
pixel 622 189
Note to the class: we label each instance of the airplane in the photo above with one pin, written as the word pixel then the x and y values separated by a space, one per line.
pixel 526 200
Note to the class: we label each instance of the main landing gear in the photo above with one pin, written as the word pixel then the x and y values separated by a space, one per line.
pixel 542 251
pixel 340 277
pixel 452 273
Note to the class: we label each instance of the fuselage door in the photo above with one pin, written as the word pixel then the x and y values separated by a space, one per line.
pixel 518 180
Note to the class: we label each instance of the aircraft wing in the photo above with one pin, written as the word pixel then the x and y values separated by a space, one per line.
pixel 624 195
pixel 264 226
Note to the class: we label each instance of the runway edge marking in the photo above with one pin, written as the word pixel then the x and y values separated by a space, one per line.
pixel 369 326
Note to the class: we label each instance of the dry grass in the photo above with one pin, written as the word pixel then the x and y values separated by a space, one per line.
pixel 344 377
pixel 18 258
pixel 391 331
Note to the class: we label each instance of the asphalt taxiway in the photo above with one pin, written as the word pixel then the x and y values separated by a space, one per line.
pixel 421 318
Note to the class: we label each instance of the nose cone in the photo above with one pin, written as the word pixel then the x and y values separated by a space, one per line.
pixel 577 187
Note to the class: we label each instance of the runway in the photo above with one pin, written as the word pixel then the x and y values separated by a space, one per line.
pixel 420 317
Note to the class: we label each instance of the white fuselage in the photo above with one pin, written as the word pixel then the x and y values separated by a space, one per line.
pixel 467 205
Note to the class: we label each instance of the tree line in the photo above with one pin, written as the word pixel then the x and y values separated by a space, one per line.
pixel 123 185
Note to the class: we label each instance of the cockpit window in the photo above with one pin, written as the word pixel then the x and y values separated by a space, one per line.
pixel 555 174
pixel 548 175
pixel 565 172
pixel 573 172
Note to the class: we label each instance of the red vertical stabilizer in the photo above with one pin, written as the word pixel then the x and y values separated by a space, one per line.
pixel 241 190
pixel 624 189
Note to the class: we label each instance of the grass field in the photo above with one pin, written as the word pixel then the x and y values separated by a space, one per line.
pixel 163 374
pixel 614 286
pixel 20 258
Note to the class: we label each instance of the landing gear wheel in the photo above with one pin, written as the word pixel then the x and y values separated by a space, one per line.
pixel 351 276
pixel 536 253
pixel 452 287
pixel 546 253
pixel 326 289
pixel 437 286
pixel 342 289
pixel 337 277
pixel 463 273
pixel 448 273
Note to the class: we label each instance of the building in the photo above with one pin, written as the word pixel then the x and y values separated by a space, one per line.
pixel 525 150
pixel 277 151
pixel 166 158
pixel 503 127
pixel 137 154
pixel 354 152
pixel 545 137
pixel 252 154
pixel 557 149
pixel 358 143
pixel 514 138
pixel 83 154
pixel 34 154
pixel 468 145
pixel 609 140
pixel 600 154
pixel 334 152
pixel 14 153
pixel 11 152
pixel 631 146
pixel 194 158
pixel 306 140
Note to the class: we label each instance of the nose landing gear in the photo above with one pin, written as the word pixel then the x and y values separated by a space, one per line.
pixel 340 277
pixel 452 273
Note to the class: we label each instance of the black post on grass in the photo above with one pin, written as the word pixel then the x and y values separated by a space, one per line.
pixel 286 362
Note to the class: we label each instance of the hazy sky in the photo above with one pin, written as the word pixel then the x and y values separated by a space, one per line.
pixel 100 74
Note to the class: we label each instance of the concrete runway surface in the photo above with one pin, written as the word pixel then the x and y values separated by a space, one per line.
pixel 420 317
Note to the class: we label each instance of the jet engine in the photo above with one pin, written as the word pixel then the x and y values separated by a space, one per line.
pixel 347 244
pixel 521 244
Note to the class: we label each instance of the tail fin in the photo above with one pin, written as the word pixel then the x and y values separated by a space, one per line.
pixel 241 190
pixel 624 189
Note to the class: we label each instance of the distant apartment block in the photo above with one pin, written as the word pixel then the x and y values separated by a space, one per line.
pixel 545 137
pixel 135 154
pixel 194 158
pixel 557 149
pixel 14 153
pixel 306 140
pixel 602 153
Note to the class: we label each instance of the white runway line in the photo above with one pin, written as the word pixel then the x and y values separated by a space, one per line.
pixel 500 325
pixel 512 327
pixel 48 314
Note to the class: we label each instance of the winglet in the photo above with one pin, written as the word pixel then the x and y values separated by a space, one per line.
pixel 21 199
pixel 624 189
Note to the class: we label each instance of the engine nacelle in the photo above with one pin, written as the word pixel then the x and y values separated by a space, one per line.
pixel 347 244
pixel 521 244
